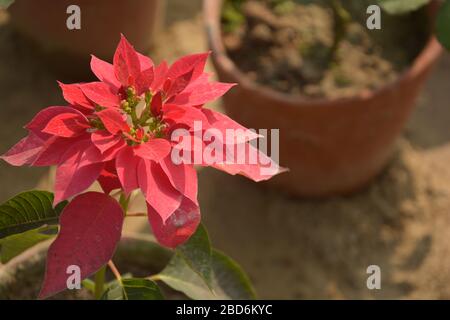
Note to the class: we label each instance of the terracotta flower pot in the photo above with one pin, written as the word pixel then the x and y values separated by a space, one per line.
pixel 330 146
pixel 102 21
pixel 22 277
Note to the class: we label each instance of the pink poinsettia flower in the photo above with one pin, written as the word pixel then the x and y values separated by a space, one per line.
pixel 117 131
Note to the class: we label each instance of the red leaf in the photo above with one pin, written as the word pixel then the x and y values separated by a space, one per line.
pixel 44 116
pixel 67 125
pixel 74 95
pixel 156 104
pixel 179 227
pixel 113 120
pixel 112 153
pixel 25 151
pixel 101 94
pixel 108 179
pixel 167 84
pixel 185 115
pixel 127 165
pixel 182 177
pixel 202 93
pixel 126 63
pixel 222 122
pixel 108 182
pixel 154 149
pixel 145 62
pixel 104 71
pixel 160 76
pixel 157 189
pixel 90 155
pixel 104 140
pixel 144 81
pixel 72 175
pixel 179 84
pixel 262 169
pixel 203 78
pixel 91 227
pixel 187 63
pixel 53 149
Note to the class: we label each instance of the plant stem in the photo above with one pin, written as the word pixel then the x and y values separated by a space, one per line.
pixel 99 283
pixel 155 278
pixel 136 214
pixel 124 201
pixel 115 271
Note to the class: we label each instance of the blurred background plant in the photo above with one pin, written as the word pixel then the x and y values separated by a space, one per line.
pixel 399 7
pixel 233 17
pixel 5 3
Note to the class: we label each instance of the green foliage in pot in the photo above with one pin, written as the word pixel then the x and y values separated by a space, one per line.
pixel 398 7
pixel 232 17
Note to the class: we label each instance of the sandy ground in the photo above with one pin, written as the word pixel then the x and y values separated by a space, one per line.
pixel 291 248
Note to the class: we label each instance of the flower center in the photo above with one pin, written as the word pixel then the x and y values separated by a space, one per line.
pixel 143 124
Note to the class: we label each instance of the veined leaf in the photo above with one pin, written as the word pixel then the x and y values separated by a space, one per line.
pixel 134 289
pixel 197 253
pixel 91 226
pixel 401 6
pixel 14 245
pixel 28 210
pixel 89 285
pixel 443 25
pixel 228 281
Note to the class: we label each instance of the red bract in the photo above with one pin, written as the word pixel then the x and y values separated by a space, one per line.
pixel 117 131
pixel 91 226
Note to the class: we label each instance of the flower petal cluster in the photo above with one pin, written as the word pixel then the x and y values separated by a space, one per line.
pixel 117 131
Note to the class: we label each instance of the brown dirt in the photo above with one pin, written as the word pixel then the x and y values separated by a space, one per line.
pixel 320 249
pixel 292 248
pixel 277 48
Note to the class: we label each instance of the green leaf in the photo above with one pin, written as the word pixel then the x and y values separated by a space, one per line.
pixel 6 3
pixel 228 281
pixel 114 293
pixel 134 289
pixel 401 6
pixel 141 289
pixel 197 253
pixel 14 245
pixel 89 285
pixel 443 25
pixel 114 287
pixel 28 210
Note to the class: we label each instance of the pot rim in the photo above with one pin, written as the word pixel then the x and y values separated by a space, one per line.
pixel 211 12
